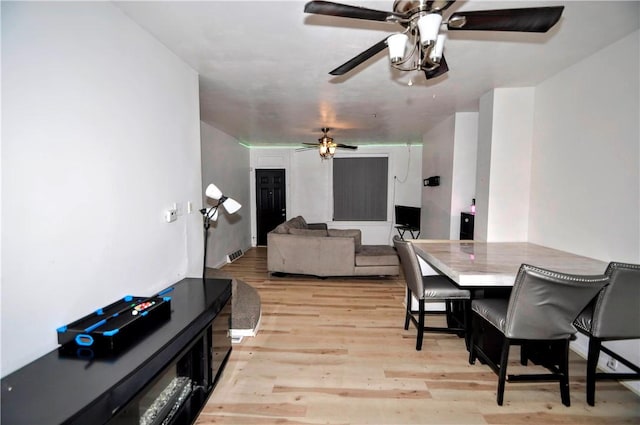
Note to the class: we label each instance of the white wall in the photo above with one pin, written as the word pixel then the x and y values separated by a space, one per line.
pixel 100 136
pixel 1 173
pixel 586 157
pixel 483 166
pixel 225 163
pixel 504 165
pixel 309 182
pixel 585 185
pixel 437 160
pixel 449 151
pixel 463 185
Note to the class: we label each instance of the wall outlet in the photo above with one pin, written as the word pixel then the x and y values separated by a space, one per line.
pixel 612 364
pixel 171 215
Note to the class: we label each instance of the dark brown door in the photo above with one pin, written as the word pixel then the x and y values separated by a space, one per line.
pixel 271 202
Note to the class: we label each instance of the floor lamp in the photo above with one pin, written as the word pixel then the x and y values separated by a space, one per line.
pixel 210 214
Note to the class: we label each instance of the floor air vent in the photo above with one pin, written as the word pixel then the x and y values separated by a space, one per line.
pixel 234 256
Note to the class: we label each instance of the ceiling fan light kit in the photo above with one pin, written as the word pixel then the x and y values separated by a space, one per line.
pixel 429 27
pixel 420 46
pixel 327 147
pixel 426 45
pixel 397 45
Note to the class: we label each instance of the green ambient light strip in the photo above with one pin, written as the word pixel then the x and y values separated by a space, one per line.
pixel 369 145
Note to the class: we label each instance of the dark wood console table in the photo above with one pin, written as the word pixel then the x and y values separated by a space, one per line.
pixel 191 348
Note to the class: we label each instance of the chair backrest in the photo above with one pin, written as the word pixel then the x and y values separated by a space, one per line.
pixel 543 303
pixel 616 313
pixel 410 266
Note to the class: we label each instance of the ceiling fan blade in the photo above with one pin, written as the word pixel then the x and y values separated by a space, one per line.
pixel 310 144
pixel 340 145
pixel 352 63
pixel 442 69
pixel 532 19
pixel 346 11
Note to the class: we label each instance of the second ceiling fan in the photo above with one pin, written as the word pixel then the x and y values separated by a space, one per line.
pixel 420 45
pixel 326 145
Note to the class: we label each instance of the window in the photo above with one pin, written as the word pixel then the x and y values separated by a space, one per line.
pixel 360 189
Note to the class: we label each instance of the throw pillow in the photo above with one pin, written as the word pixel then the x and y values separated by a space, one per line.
pixel 308 232
pixel 297 223
pixel 282 228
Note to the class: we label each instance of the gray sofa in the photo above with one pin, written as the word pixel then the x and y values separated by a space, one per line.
pixel 299 248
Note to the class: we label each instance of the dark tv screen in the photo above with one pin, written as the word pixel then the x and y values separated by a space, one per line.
pixel 408 216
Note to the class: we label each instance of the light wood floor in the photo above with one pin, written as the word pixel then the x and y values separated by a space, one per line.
pixel 334 351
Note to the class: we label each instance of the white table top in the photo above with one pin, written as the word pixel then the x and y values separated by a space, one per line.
pixel 493 264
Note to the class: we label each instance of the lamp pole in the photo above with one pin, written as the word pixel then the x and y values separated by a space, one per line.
pixel 208 214
pixel 207 223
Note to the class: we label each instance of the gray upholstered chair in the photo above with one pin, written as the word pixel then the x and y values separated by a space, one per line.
pixel 613 315
pixel 539 316
pixel 426 289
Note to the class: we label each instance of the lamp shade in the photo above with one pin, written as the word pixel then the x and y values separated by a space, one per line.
pixel 213 192
pixel 429 27
pixel 397 44
pixel 231 205
pixel 212 213
pixel 438 49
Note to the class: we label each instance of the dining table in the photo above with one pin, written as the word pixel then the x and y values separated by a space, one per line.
pixel 485 265
pixel 489 269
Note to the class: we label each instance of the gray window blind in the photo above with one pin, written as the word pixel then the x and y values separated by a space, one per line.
pixel 360 189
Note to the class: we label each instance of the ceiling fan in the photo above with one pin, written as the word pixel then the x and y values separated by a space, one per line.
pixel 420 45
pixel 327 146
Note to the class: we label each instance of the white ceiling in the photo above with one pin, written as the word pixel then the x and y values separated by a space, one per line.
pixel 264 65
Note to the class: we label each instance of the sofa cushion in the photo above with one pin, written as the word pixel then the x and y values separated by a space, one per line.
pixel 376 255
pixel 322 226
pixel 308 232
pixel 354 233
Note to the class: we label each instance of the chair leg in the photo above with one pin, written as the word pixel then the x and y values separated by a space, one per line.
pixel 564 375
pixel 420 326
pixel 407 316
pixel 448 313
pixel 466 305
pixel 524 358
pixel 473 340
pixel 502 375
pixel 592 364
